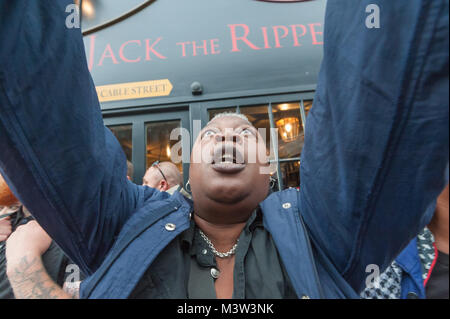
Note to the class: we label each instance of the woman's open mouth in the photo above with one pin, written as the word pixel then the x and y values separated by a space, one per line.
pixel 227 159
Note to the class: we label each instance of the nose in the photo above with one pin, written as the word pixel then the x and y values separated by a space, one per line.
pixel 232 137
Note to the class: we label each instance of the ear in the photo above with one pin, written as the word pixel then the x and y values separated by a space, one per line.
pixel 163 186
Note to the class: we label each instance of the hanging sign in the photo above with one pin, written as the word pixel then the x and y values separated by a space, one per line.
pixel 134 90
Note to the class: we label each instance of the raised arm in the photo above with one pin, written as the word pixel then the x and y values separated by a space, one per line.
pixel 376 146
pixel 55 152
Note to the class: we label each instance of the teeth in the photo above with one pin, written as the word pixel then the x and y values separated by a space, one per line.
pixel 227 159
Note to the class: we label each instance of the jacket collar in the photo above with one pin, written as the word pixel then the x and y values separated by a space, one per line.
pixel 280 217
pixel 283 220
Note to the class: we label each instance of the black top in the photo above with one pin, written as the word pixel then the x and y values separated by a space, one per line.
pixel 54 259
pixel 437 285
pixel 258 269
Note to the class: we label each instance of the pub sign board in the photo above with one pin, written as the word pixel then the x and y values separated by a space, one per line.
pixel 233 48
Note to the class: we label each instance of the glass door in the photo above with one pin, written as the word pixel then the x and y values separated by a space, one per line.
pixel 150 137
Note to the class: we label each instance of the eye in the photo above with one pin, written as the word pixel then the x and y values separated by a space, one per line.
pixel 246 132
pixel 208 133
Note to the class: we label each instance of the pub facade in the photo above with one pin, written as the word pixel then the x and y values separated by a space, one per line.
pixel 163 69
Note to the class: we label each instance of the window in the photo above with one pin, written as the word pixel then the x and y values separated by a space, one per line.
pixel 158 143
pixel 214 112
pixel 259 117
pixel 290 173
pixel 124 134
pixel 307 105
pixel 287 120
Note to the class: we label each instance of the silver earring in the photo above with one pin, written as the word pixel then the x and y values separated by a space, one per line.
pixel 272 182
pixel 188 189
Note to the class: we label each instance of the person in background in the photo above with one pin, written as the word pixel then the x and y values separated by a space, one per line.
pixel 9 205
pixel 421 269
pixel 25 248
pixel 163 176
pixel 26 243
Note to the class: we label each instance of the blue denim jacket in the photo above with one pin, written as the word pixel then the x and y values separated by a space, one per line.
pixel 375 156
